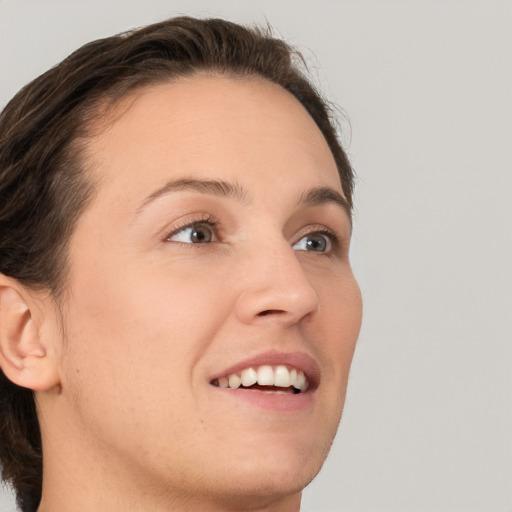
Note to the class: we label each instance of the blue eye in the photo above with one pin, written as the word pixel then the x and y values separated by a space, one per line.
pixel 314 242
pixel 198 233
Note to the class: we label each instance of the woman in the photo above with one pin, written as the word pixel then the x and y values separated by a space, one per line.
pixel 177 309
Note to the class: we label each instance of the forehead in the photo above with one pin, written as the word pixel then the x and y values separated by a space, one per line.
pixel 208 126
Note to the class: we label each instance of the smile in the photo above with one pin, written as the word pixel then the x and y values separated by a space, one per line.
pixel 266 378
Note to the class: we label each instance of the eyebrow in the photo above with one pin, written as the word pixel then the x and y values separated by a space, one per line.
pixel 324 195
pixel 212 187
pixel 313 197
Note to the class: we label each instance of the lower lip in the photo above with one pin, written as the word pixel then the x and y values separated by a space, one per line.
pixel 279 402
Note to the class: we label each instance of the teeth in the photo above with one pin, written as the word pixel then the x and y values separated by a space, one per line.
pixel 234 381
pixel 300 381
pixel 249 377
pixel 266 375
pixel 282 377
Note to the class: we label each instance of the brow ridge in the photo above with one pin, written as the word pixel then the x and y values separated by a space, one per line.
pixel 206 186
pixel 323 195
pixel 317 196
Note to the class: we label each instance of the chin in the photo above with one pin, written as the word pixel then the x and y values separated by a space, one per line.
pixel 271 462
pixel 274 472
pixel 258 490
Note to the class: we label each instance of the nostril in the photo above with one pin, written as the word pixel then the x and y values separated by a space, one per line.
pixel 270 312
pixel 276 302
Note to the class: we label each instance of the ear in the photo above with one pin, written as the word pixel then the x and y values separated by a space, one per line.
pixel 25 356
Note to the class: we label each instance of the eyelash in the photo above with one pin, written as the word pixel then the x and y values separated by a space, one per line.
pixel 214 224
pixel 322 230
pixel 202 219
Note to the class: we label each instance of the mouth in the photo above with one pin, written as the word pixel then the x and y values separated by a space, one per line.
pixel 277 381
pixel 266 379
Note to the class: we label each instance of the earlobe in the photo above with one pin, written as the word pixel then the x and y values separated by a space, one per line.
pixel 24 356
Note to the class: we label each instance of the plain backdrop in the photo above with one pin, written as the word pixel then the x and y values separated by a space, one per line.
pixel 427 87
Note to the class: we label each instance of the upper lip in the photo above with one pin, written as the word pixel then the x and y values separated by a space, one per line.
pixel 297 360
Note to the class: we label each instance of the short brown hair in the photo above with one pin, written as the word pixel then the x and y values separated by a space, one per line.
pixel 43 188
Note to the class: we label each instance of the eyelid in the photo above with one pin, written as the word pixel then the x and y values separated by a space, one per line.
pixel 338 241
pixel 190 221
pixel 335 239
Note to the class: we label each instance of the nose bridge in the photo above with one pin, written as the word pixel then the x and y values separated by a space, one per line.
pixel 275 285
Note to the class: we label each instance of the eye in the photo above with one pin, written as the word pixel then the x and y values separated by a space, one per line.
pixel 197 233
pixel 314 242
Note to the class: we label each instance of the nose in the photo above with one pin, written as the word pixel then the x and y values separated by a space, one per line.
pixel 275 288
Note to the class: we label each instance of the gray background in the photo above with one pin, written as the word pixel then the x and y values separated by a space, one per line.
pixel 427 86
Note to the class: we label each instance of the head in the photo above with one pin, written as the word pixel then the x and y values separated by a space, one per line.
pixel 113 165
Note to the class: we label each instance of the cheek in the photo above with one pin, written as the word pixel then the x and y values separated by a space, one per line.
pixel 342 315
pixel 132 344
pixel 143 323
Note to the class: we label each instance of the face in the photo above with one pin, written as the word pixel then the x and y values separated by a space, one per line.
pixel 215 251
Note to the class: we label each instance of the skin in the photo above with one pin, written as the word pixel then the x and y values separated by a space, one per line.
pixel 130 421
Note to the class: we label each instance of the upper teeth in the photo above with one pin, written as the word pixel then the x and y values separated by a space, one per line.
pixel 279 376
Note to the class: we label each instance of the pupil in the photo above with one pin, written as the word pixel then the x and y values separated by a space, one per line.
pixel 316 243
pixel 201 235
